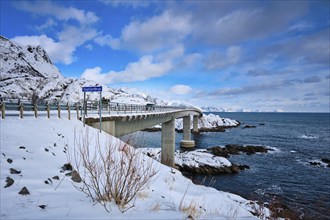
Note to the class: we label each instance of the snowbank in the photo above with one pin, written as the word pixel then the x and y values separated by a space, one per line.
pixel 38 148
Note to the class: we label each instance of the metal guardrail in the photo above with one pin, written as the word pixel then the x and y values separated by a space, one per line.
pixel 22 105
pixel 108 108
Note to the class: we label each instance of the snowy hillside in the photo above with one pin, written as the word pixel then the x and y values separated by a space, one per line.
pixel 28 71
pixel 34 150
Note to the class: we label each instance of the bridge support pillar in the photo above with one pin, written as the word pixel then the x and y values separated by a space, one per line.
pixel 187 142
pixel 195 124
pixel 168 143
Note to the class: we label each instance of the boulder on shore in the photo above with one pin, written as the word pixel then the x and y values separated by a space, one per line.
pixel 231 149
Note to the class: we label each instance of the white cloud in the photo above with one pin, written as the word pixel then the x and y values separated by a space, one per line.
pixel 180 89
pixel 108 40
pixel 158 32
pixel 134 4
pixel 144 69
pixel 59 12
pixel 61 51
pixel 218 60
pixel 232 23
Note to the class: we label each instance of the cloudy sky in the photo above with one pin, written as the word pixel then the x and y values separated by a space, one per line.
pixel 264 55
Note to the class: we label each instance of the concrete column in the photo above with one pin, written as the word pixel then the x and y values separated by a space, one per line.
pixel 168 143
pixel 186 128
pixel 187 142
pixel 195 124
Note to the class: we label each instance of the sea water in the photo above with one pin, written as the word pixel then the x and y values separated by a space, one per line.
pixel 284 174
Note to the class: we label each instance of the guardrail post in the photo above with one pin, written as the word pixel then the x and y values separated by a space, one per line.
pixel 48 110
pixel 77 109
pixel 3 113
pixel 21 109
pixel 35 108
pixel 68 106
pixel 58 110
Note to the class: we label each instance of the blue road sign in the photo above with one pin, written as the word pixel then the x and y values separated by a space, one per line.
pixel 92 89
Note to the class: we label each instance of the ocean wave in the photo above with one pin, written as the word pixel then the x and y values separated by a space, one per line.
pixel 308 136
pixel 272 190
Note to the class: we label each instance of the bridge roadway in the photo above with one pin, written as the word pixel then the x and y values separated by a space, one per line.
pixel 118 125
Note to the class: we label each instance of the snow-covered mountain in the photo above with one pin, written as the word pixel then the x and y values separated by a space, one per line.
pixel 27 71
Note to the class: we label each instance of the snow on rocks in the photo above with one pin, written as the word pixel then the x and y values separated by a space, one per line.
pixel 207 123
pixel 210 122
pixel 169 195
pixel 197 162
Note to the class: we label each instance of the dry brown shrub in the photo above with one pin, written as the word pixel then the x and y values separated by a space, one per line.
pixel 114 172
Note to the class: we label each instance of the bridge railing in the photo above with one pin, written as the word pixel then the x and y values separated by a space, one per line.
pixel 115 108
pixel 28 107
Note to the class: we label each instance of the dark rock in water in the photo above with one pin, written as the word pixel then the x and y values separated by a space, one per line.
pixel 215 129
pixel 234 168
pixel 235 149
pixel 249 126
pixel 9 182
pixel 75 176
pixel 24 191
pixel 219 151
pixel 210 170
pixel 152 129
pixel 314 163
pixel 261 123
pixel 243 167
pixel 9 160
pixel 13 171
pixel 21 147
pixel 327 161
pixel 56 177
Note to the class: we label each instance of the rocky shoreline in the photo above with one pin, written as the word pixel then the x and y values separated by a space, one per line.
pixel 212 161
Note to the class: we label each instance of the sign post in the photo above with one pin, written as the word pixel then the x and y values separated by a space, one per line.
pixel 93 89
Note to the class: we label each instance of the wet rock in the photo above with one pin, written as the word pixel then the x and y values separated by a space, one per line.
pixel 243 167
pixel 327 161
pixel 24 191
pixel 235 149
pixel 13 171
pixel 9 160
pixel 210 170
pixel 56 177
pixel 234 168
pixel 315 163
pixel 219 151
pixel 249 126
pixel 21 147
pixel 9 182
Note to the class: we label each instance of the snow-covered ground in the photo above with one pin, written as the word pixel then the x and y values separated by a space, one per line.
pixel 39 147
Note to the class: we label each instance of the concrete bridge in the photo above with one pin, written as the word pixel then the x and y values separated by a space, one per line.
pixel 121 124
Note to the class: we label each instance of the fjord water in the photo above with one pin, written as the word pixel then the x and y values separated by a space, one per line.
pixel 284 174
